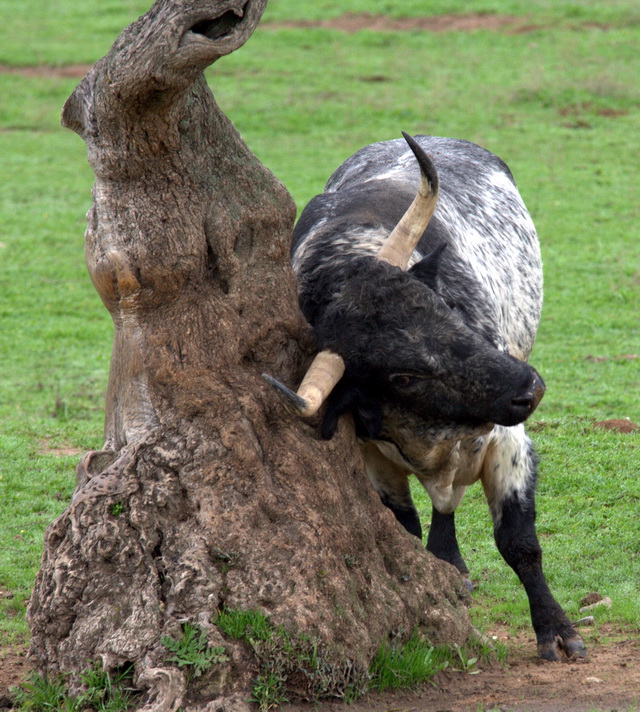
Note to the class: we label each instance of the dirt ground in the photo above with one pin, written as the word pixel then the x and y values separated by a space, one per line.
pixel 454 22
pixel 607 681
pixel 13 667
pixel 466 22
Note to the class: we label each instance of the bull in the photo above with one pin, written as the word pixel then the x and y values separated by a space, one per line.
pixel 419 270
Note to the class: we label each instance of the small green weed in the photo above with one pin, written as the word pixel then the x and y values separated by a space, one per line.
pixel 108 692
pixel 193 651
pixel 117 508
pixel 467 663
pixel 488 651
pixel 268 691
pixel 226 559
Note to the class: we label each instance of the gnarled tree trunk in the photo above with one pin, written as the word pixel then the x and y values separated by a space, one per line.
pixel 207 494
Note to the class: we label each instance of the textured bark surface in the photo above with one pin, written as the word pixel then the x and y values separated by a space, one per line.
pixel 207 494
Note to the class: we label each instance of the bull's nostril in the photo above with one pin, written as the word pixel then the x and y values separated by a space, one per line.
pixel 530 400
pixel 537 393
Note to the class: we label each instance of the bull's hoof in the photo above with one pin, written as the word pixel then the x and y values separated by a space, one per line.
pixel 549 650
pixel 572 648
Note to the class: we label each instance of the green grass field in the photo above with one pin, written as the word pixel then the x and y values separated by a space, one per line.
pixel 559 102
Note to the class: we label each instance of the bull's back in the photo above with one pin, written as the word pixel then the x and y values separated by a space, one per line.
pixel 480 214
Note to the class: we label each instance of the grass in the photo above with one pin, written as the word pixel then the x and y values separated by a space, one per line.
pixel 414 663
pixel 559 103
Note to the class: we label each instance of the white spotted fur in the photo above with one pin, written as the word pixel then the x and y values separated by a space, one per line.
pixel 447 461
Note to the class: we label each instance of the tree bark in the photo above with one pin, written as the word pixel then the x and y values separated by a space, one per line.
pixel 207 495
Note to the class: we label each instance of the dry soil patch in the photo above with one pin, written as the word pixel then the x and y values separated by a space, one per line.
pixel 468 22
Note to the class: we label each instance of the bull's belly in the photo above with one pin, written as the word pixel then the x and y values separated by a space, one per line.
pixel 444 469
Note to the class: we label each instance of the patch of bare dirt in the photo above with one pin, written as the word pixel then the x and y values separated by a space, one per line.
pixel 622 425
pixel 352 22
pixel 46 448
pixel 578 113
pixel 70 71
pixel 13 668
pixel 620 357
pixel 609 680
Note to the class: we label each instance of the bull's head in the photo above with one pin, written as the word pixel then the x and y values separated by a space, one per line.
pixel 401 345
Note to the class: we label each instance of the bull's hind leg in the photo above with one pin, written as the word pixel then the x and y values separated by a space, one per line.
pixel 509 477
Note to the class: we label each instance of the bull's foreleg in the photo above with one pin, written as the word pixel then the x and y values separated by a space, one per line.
pixel 517 541
pixel 509 481
pixel 404 511
pixel 391 483
pixel 442 542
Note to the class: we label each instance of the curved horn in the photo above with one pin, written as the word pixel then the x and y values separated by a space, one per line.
pixel 399 246
pixel 321 378
pixel 327 368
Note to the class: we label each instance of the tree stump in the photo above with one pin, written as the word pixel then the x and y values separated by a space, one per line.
pixel 208 496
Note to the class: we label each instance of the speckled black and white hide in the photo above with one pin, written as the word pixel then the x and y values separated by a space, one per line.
pixel 436 375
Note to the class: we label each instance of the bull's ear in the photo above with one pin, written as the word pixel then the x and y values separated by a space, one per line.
pixel 367 414
pixel 427 269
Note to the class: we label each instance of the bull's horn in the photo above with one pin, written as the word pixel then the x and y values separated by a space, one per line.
pixel 327 367
pixel 399 246
pixel 321 378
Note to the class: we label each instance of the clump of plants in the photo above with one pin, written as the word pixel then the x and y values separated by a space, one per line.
pixel 193 652
pixel 291 668
pixel 106 692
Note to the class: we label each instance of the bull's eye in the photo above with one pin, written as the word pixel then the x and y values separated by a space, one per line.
pixel 404 380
